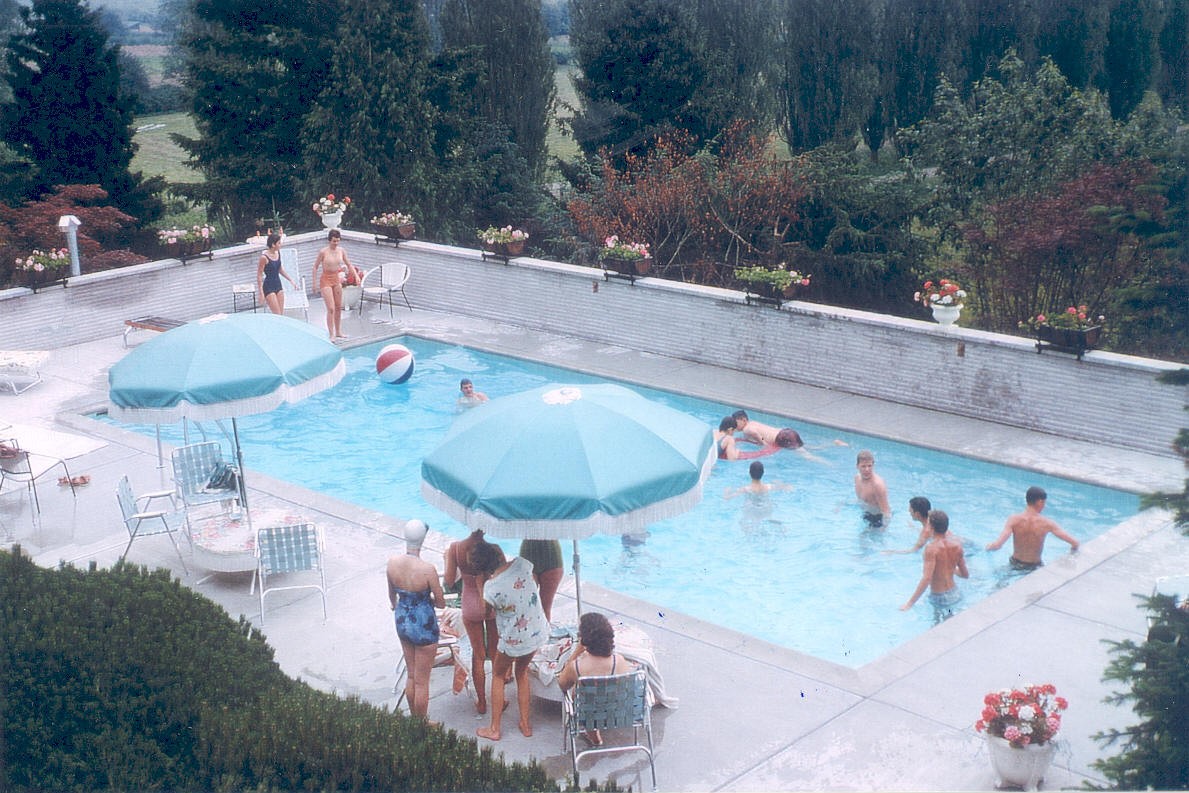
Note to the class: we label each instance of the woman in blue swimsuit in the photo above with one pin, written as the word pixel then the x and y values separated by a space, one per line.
pixel 268 276
pixel 414 590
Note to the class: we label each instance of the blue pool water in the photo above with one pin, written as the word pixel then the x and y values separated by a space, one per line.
pixel 800 571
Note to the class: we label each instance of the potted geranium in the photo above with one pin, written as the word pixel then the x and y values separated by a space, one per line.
pixel 1073 330
pixel 193 241
pixel 1020 724
pixel 331 209
pixel 43 268
pixel 944 298
pixel 770 284
pixel 505 241
pixel 631 257
pixel 394 226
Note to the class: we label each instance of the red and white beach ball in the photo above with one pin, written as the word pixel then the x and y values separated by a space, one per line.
pixel 394 364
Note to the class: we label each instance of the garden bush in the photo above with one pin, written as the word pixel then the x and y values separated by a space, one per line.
pixel 123 679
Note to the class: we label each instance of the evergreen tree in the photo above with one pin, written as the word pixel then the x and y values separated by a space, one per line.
pixel 1173 78
pixel 368 133
pixel 254 69
pixel 1129 60
pixel 1073 34
pixel 829 80
pixel 919 45
pixel 68 116
pixel 641 65
pixel 513 47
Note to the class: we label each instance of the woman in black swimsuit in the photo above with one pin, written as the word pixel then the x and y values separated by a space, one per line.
pixel 268 276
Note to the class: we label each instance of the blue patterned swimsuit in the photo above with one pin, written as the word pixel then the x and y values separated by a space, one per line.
pixel 416 620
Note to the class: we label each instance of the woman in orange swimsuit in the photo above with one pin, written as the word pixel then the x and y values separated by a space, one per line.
pixel 333 262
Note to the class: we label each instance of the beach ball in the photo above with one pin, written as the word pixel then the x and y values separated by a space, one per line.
pixel 394 364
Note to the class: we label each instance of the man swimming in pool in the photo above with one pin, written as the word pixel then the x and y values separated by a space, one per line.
pixel 942 560
pixel 756 486
pixel 766 434
pixel 871 490
pixel 1028 530
pixel 468 396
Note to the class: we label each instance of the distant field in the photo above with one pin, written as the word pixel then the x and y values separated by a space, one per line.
pixel 157 154
pixel 562 146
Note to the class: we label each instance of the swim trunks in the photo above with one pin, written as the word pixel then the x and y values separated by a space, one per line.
pixel 788 438
pixel 272 276
pixel 945 600
pixel 1024 567
pixel 874 519
pixel 416 620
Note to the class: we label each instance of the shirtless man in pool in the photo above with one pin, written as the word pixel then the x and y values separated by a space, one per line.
pixel 1028 530
pixel 871 490
pixel 333 262
pixel 943 558
pixel 766 434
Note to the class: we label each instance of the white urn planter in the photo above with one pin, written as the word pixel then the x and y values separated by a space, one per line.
pixel 946 315
pixel 1022 767
pixel 331 220
pixel 351 297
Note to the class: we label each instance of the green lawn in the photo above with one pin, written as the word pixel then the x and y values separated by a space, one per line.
pixel 157 154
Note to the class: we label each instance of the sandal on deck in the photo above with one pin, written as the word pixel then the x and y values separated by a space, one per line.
pixel 75 481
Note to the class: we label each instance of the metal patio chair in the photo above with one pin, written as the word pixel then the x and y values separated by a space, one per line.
pixel 612 702
pixel 287 551
pixel 143 522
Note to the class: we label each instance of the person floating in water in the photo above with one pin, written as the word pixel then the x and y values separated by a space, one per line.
pixel 871 490
pixel 766 434
pixel 918 510
pixel 468 396
pixel 1027 531
pixel 756 486
pixel 943 559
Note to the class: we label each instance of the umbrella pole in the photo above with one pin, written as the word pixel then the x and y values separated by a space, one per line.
pixel 239 459
pixel 577 580
pixel 160 454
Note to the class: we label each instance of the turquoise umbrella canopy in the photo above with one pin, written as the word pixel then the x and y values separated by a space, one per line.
pixel 222 367
pixel 568 462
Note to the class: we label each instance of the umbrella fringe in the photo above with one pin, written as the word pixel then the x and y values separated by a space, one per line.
pixel 236 407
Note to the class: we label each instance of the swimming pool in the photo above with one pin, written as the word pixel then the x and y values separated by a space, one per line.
pixel 800 570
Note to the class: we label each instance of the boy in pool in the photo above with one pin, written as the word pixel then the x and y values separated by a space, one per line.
pixel 468 396
pixel 756 486
pixel 871 490
pixel 918 510
pixel 766 434
pixel 1028 530
pixel 943 558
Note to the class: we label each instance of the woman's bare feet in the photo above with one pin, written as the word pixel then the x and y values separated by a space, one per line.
pixel 488 733
pixel 481 708
pixel 526 729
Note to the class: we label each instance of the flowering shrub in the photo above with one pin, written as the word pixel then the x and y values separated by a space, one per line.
pixel 942 292
pixel 392 219
pixel 1023 716
pixel 328 204
pixel 614 249
pixel 779 277
pixel 193 234
pixel 1072 318
pixel 40 261
pixel 492 235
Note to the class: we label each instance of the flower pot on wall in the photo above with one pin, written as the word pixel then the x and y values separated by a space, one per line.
pixel 505 249
pixel 51 276
pixel 1023 767
pixel 1071 340
pixel 945 315
pixel 625 265
pixel 332 220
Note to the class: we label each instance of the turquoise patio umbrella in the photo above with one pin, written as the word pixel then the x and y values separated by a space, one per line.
pixel 221 367
pixel 569 462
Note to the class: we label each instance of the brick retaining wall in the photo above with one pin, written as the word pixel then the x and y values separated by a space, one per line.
pixel 1104 397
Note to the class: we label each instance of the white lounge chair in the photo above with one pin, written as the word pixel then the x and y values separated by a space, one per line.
pixel 297 298
pixel 20 370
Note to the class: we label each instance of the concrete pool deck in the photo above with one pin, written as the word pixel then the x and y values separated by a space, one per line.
pixel 751 716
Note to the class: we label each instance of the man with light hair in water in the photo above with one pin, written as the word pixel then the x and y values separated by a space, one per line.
pixel 766 434
pixel 1027 531
pixel 871 490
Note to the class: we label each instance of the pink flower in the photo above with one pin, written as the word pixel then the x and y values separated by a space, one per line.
pixel 1041 318
pixel 1012 733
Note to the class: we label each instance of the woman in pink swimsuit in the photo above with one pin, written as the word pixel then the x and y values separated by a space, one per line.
pixel 333 262
pixel 477 617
